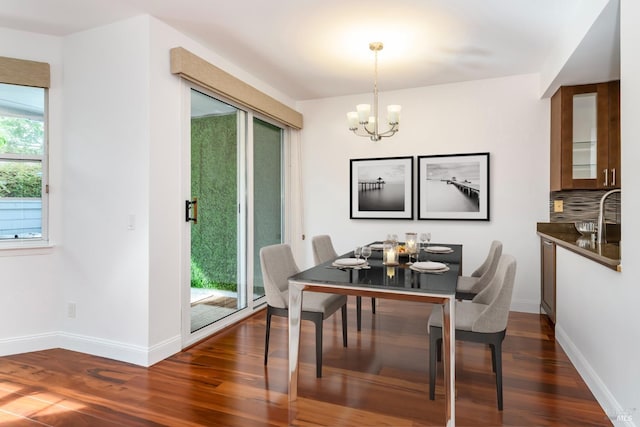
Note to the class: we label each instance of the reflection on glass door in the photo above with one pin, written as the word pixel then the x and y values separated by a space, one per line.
pixel 267 190
pixel 217 284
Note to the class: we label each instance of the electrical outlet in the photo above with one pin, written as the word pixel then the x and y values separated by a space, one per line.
pixel 558 206
pixel 71 310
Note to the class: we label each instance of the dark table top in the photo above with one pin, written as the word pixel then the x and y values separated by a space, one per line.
pixel 394 278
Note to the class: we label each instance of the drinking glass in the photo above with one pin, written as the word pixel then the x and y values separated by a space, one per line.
pixel 366 253
pixel 425 237
pixel 357 252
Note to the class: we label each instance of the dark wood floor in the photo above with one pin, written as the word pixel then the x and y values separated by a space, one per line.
pixel 380 379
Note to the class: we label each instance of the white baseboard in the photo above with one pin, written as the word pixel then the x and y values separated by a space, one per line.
pixel 618 415
pixel 138 355
pixel 29 343
pixel 525 306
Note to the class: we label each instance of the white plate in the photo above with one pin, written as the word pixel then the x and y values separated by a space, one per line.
pixel 420 270
pixel 349 262
pixel 437 249
pixel 429 265
pixel 377 246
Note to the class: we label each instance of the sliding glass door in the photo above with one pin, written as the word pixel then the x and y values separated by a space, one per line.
pixel 267 193
pixel 234 207
pixel 217 290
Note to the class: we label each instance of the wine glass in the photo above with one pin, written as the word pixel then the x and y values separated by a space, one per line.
pixel 425 237
pixel 357 252
pixel 366 253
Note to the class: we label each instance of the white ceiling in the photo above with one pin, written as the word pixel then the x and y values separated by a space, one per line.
pixel 319 48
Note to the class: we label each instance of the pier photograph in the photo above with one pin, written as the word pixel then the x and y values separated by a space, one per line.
pixel 382 188
pixel 454 186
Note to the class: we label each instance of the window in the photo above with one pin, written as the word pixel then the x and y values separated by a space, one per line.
pixel 22 162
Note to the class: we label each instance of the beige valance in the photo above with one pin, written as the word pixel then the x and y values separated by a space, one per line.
pixel 25 73
pixel 195 69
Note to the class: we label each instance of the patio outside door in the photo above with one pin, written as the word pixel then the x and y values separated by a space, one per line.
pixel 218 283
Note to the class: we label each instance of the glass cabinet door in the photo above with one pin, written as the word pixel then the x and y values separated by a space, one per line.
pixel 585 136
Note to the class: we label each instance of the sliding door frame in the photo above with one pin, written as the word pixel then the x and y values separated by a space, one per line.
pixel 245 213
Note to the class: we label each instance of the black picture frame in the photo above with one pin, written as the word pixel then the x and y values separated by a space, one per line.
pixel 454 187
pixel 381 188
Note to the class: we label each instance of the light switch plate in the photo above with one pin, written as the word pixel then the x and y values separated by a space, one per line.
pixel 558 206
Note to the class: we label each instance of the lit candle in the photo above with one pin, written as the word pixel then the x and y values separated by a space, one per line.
pixel 391 256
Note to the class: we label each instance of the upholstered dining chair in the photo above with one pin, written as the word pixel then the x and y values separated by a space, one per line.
pixel 469 286
pixel 323 251
pixel 278 265
pixel 483 320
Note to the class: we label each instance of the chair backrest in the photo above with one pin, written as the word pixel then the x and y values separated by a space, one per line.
pixel 497 298
pixel 323 249
pixel 277 265
pixel 488 268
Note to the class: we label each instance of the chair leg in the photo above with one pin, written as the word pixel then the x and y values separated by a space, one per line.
pixel 373 305
pixel 498 370
pixel 344 325
pixel 435 337
pixel 359 312
pixel 266 336
pixel 493 357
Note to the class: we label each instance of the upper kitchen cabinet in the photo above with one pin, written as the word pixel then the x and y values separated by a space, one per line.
pixel 585 137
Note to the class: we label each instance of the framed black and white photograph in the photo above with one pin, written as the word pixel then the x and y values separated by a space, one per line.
pixel 454 186
pixel 382 188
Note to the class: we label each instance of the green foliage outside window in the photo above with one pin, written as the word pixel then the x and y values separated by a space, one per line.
pixel 21 136
pixel 20 179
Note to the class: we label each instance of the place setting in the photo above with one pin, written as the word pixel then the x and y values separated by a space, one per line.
pixel 438 249
pixel 429 267
pixel 356 263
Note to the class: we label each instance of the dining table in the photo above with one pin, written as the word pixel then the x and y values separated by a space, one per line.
pixel 402 281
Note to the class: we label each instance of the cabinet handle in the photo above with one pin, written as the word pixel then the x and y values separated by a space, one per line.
pixel 606 177
pixel 613 177
pixel 548 243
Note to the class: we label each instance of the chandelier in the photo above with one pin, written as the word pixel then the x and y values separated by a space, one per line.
pixel 361 122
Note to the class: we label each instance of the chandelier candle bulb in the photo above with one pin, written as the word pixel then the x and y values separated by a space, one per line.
pixel 363 112
pixel 393 114
pixel 371 124
pixel 352 118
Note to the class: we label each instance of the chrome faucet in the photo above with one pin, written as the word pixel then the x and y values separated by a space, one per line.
pixel 601 212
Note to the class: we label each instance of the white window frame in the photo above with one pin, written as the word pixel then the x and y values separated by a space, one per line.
pixel 26 73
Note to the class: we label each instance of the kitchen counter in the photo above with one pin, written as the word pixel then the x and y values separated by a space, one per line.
pixel 566 236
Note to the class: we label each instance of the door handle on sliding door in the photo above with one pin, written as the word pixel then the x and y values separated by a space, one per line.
pixel 191 210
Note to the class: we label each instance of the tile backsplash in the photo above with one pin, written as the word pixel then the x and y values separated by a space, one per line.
pixel 583 205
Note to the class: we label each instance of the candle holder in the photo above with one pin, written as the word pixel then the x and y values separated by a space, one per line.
pixel 411 244
pixel 390 252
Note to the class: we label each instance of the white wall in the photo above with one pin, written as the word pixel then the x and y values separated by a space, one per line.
pixel 598 310
pixel 504 117
pixel 31 304
pixel 106 181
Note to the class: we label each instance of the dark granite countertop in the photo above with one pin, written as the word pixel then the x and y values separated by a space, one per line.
pixel 565 235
